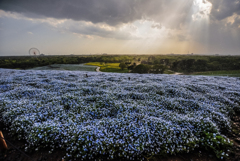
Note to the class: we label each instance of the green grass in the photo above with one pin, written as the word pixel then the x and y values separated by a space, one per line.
pixel 168 72
pixel 230 73
pixel 109 67
pixel 70 67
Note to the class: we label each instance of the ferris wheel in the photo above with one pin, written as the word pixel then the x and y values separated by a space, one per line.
pixel 34 52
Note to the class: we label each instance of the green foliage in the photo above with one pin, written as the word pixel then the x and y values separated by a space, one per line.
pixel 122 65
pixel 217 144
pixel 230 73
pixel 177 63
pixel 206 63
pixel 159 68
pixel 142 68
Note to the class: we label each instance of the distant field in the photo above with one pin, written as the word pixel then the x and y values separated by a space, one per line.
pixel 114 67
pixel 230 73
pixel 109 67
pixel 168 72
pixel 70 67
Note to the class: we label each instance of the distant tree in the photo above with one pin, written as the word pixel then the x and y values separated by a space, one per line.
pixel 159 68
pixel 144 62
pixel 151 58
pixel 128 63
pixel 156 62
pixel 236 65
pixel 150 63
pixel 161 61
pixel 130 67
pixel 167 62
pixel 189 63
pixel 122 65
pixel 175 65
pixel 215 65
pixel 200 65
pixel 142 68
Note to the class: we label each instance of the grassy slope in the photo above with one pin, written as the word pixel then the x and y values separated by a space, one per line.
pixel 71 67
pixel 109 67
pixel 230 73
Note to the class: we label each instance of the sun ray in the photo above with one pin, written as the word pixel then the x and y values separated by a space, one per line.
pixel 199 23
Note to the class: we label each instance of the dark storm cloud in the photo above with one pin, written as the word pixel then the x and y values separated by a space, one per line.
pixel 115 12
pixel 224 8
pixel 112 12
pixel 108 11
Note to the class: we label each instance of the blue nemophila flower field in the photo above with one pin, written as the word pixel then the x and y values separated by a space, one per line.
pixel 106 115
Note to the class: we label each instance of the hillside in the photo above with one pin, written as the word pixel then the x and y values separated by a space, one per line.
pixel 89 115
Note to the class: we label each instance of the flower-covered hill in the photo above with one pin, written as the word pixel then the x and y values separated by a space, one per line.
pixel 110 115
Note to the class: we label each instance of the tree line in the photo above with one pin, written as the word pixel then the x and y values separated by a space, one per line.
pixel 212 64
pixel 134 63
pixel 187 65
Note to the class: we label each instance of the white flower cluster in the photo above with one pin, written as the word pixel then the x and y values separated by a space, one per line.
pixel 106 115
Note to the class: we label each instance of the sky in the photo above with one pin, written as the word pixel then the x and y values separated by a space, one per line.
pixel 63 27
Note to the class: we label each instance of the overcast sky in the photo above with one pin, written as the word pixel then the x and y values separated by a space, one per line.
pixel 65 27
